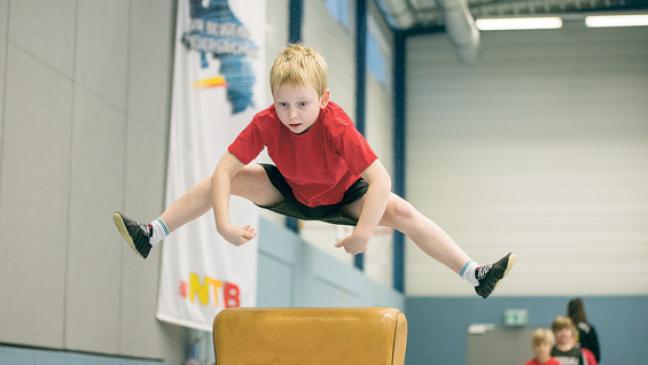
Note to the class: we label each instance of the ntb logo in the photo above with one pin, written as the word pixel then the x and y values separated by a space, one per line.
pixel 209 290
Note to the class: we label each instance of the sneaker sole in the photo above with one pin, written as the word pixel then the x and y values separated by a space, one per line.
pixel 121 227
pixel 509 265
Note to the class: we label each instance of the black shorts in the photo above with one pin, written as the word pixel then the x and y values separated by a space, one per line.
pixel 291 207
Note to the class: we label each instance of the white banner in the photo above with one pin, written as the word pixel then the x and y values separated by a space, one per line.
pixel 217 88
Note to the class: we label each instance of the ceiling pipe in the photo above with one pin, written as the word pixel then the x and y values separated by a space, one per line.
pixel 398 14
pixel 461 29
pixel 459 24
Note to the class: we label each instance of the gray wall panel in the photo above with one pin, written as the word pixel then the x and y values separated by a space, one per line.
pixel 45 29
pixel 3 63
pixel 4 16
pixel 140 332
pixel 93 295
pixel 75 275
pixel 102 48
pixel 274 290
pixel 151 61
pixel 146 155
pixel 34 193
pixel 144 196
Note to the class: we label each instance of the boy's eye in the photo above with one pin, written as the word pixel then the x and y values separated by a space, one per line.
pixel 302 103
pixel 283 105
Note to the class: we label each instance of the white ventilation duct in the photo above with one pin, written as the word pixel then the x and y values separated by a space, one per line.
pixel 398 14
pixel 461 29
pixel 459 24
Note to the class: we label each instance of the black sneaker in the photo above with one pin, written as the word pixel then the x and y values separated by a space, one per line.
pixel 489 275
pixel 137 235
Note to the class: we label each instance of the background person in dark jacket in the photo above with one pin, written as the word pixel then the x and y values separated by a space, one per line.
pixel 587 333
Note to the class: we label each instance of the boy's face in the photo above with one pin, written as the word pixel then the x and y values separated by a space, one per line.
pixel 564 336
pixel 542 350
pixel 298 106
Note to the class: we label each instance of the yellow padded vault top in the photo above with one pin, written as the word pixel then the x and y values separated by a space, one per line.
pixel 313 336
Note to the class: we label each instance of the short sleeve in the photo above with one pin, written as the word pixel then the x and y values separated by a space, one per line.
pixel 354 149
pixel 248 144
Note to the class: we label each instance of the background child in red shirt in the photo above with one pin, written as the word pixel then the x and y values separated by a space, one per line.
pixel 542 341
pixel 324 170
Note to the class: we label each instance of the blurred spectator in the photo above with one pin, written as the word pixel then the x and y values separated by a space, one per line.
pixel 567 351
pixel 542 342
pixel 586 332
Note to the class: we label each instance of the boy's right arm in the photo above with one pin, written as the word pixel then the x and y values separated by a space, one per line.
pixel 221 187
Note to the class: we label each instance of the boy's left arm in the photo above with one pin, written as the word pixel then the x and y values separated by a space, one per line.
pixel 373 209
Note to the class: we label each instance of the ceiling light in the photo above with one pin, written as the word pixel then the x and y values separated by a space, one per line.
pixel 519 23
pixel 601 21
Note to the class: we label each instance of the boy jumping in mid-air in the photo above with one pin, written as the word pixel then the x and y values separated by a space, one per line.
pixel 324 170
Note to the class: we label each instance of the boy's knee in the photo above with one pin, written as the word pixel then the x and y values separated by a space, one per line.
pixel 247 174
pixel 243 181
pixel 400 210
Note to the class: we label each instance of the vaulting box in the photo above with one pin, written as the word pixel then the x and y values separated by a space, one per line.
pixel 313 336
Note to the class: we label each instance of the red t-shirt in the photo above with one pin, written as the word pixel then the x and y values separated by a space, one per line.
pixel 589 356
pixel 319 164
pixel 551 361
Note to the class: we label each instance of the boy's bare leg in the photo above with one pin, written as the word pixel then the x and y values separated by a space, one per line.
pixel 427 235
pixel 192 204
pixel 402 216
pixel 251 183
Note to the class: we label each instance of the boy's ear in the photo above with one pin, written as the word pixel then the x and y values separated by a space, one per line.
pixel 325 98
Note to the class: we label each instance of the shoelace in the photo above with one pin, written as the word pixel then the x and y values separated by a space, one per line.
pixel 482 271
pixel 146 229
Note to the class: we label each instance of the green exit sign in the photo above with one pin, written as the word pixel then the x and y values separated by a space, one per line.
pixel 516 317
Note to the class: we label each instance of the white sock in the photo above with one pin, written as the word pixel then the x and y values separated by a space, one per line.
pixel 467 272
pixel 160 231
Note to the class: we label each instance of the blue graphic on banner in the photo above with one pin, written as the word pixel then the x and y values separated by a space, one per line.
pixel 216 30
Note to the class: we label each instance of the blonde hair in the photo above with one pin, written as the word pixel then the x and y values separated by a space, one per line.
pixel 561 323
pixel 543 336
pixel 301 66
